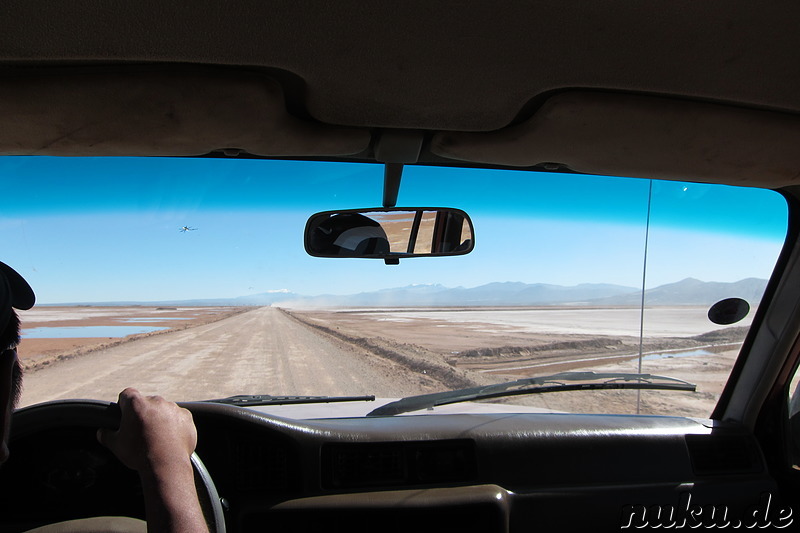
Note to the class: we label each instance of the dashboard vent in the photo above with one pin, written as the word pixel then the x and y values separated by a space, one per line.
pixel 397 463
pixel 260 466
pixel 723 454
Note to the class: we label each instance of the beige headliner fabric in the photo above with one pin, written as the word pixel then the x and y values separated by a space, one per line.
pixel 194 111
pixel 176 113
pixel 435 65
pixel 628 135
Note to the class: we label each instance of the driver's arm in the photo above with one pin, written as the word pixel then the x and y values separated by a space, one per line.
pixel 156 438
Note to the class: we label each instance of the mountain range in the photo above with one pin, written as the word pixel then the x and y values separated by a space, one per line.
pixel 689 291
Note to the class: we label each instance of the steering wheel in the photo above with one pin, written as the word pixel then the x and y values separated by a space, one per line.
pixel 57 462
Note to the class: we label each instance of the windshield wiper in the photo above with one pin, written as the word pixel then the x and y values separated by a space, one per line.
pixel 267 399
pixel 536 385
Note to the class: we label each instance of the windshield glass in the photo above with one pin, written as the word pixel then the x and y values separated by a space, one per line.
pixel 188 278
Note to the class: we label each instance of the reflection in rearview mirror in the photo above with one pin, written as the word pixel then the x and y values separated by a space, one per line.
pixel 389 233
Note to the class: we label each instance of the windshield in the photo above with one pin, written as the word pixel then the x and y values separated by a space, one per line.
pixel 188 278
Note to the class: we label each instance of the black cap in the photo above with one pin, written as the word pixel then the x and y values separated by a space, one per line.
pixel 14 290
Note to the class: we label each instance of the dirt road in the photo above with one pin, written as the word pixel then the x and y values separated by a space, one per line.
pixel 260 351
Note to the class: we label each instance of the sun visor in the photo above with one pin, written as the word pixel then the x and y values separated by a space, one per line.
pixel 641 136
pixel 162 113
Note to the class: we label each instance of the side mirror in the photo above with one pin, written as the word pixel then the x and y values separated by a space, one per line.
pixel 390 233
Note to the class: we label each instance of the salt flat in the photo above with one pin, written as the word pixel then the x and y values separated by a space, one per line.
pixel 614 321
pixel 61 313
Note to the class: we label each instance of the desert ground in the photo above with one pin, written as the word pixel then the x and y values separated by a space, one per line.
pixel 495 345
pixel 217 352
pixel 36 353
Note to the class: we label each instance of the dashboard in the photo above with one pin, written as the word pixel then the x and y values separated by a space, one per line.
pixel 472 472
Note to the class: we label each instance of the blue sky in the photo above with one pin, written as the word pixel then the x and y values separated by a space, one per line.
pixel 98 229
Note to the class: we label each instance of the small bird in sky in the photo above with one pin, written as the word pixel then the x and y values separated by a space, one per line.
pixel 184 229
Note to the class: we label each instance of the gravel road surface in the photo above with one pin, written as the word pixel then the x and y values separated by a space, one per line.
pixel 261 351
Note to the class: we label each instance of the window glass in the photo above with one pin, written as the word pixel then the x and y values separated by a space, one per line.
pixel 188 278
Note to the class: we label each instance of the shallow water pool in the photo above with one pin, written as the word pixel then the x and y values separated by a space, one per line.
pixel 82 332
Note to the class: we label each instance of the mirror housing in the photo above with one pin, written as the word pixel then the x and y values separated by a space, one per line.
pixel 390 234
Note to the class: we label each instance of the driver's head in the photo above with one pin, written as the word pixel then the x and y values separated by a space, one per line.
pixel 349 234
pixel 14 293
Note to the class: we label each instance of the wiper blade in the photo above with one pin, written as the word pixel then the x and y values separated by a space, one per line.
pixel 536 385
pixel 267 399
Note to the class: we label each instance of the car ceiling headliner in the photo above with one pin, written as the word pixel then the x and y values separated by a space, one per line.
pixel 434 66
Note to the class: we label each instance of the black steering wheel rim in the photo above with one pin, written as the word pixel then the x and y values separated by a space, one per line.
pixel 97 414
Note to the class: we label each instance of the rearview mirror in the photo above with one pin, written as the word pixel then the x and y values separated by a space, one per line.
pixel 390 233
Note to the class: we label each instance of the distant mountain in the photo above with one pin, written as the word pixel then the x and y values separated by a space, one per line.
pixel 692 291
pixel 499 294
pixel 265 298
pixel 689 291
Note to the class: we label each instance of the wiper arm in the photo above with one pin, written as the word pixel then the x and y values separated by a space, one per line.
pixel 267 399
pixel 536 385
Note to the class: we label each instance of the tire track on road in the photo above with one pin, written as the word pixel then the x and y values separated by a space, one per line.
pixel 257 352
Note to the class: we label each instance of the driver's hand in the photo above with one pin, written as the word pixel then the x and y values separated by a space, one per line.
pixel 157 438
pixel 154 434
